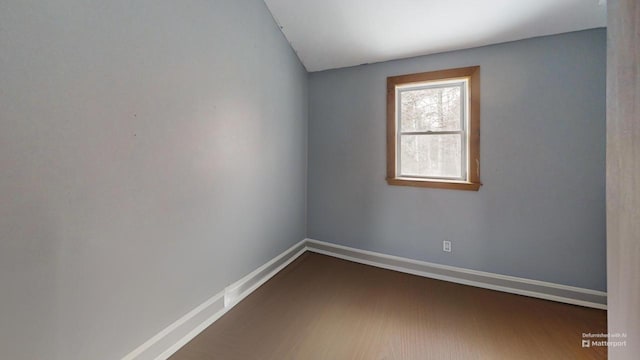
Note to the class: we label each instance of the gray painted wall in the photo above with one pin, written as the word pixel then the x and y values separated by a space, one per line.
pixel 151 153
pixel 623 176
pixel 541 211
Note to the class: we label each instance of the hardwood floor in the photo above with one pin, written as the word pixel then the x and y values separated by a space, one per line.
pixel 321 307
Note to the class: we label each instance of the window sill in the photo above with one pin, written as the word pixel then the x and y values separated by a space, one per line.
pixel 451 185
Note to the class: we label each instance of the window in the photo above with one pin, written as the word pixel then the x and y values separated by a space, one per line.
pixel 433 129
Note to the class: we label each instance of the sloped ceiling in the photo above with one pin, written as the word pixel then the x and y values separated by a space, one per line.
pixel 330 34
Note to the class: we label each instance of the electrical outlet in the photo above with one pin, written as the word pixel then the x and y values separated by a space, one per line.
pixel 446 246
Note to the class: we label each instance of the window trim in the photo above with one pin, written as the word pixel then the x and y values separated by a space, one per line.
pixel 472 75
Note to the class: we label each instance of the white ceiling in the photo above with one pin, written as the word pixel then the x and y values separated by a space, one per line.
pixel 329 34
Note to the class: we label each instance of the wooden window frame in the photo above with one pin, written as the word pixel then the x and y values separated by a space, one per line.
pixel 472 74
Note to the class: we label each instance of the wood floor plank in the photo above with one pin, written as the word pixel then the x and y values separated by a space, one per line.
pixel 321 307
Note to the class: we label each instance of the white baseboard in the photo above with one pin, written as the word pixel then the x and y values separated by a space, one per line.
pixel 237 291
pixel 177 334
pixel 165 343
pixel 511 284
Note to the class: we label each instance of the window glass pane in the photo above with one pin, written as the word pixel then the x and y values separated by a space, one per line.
pixel 434 109
pixel 431 155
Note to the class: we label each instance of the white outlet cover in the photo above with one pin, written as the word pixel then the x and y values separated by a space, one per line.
pixel 446 246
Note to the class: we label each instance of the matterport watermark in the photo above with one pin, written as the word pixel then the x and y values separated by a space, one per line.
pixel 604 339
